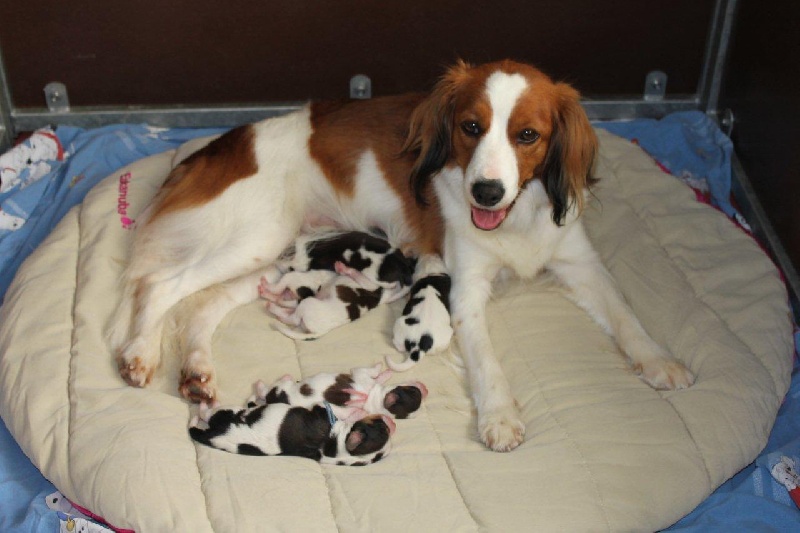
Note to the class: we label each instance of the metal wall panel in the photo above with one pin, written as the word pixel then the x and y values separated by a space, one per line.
pixel 206 52
pixel 761 89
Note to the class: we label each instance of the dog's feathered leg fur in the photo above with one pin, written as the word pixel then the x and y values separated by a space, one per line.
pixel 196 319
pixel 193 243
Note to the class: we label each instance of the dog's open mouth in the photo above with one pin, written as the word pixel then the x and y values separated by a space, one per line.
pixel 488 220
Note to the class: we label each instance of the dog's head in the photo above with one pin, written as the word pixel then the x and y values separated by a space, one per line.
pixel 503 124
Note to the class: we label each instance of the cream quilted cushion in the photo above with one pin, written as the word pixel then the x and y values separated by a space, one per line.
pixel 603 451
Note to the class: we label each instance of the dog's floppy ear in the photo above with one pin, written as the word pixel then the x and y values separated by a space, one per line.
pixel 569 166
pixel 430 130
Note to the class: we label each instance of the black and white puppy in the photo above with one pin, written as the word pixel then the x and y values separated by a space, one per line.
pixel 282 429
pixel 364 388
pixel 309 309
pixel 371 254
pixel 425 326
pixel 290 288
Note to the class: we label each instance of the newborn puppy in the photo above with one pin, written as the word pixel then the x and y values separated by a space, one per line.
pixel 294 286
pixel 281 429
pixel 425 327
pixel 368 253
pixel 341 299
pixel 364 388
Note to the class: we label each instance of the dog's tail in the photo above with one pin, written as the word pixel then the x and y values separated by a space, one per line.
pixel 118 326
pixel 394 292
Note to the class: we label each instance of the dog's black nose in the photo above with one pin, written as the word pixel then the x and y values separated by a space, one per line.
pixel 488 192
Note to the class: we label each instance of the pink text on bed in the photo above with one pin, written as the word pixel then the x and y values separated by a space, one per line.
pixel 122 201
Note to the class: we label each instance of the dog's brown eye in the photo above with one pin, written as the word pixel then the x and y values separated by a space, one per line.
pixel 471 128
pixel 528 136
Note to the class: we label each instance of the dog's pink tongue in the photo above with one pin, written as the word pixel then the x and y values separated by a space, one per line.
pixel 487 220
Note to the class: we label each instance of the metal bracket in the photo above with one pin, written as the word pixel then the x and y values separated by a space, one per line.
pixel 55 94
pixel 727 121
pixel 655 86
pixel 360 87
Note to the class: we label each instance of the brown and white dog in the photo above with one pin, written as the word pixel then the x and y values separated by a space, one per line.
pixel 487 171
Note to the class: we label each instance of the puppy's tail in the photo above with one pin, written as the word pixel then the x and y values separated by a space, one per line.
pixel 393 293
pixel 294 334
pixel 413 358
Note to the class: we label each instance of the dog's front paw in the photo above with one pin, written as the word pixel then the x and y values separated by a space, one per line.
pixel 500 429
pixel 665 374
pixel 424 326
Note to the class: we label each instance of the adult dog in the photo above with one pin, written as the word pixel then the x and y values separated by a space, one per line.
pixel 487 171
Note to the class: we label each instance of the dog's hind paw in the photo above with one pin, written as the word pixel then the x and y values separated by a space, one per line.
pixel 198 387
pixel 137 361
pixel 501 430
pixel 134 371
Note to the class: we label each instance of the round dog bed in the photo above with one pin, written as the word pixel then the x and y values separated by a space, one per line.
pixel 603 451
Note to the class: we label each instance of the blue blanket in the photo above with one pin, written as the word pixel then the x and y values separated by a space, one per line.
pixel 47 175
pixel 34 198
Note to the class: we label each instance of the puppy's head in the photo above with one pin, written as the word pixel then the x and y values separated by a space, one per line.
pixel 404 401
pixel 396 267
pixel 369 435
pixel 503 124
pixel 360 443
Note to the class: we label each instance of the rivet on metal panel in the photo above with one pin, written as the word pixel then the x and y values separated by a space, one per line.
pixel 360 87
pixel 55 94
pixel 655 86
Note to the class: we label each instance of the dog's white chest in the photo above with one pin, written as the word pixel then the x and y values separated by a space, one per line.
pixel 524 252
pixel 524 255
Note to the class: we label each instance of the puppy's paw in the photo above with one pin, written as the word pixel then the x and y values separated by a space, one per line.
pixel 665 374
pixel 259 396
pixel 281 313
pixel 264 290
pixel 205 410
pixel 500 429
